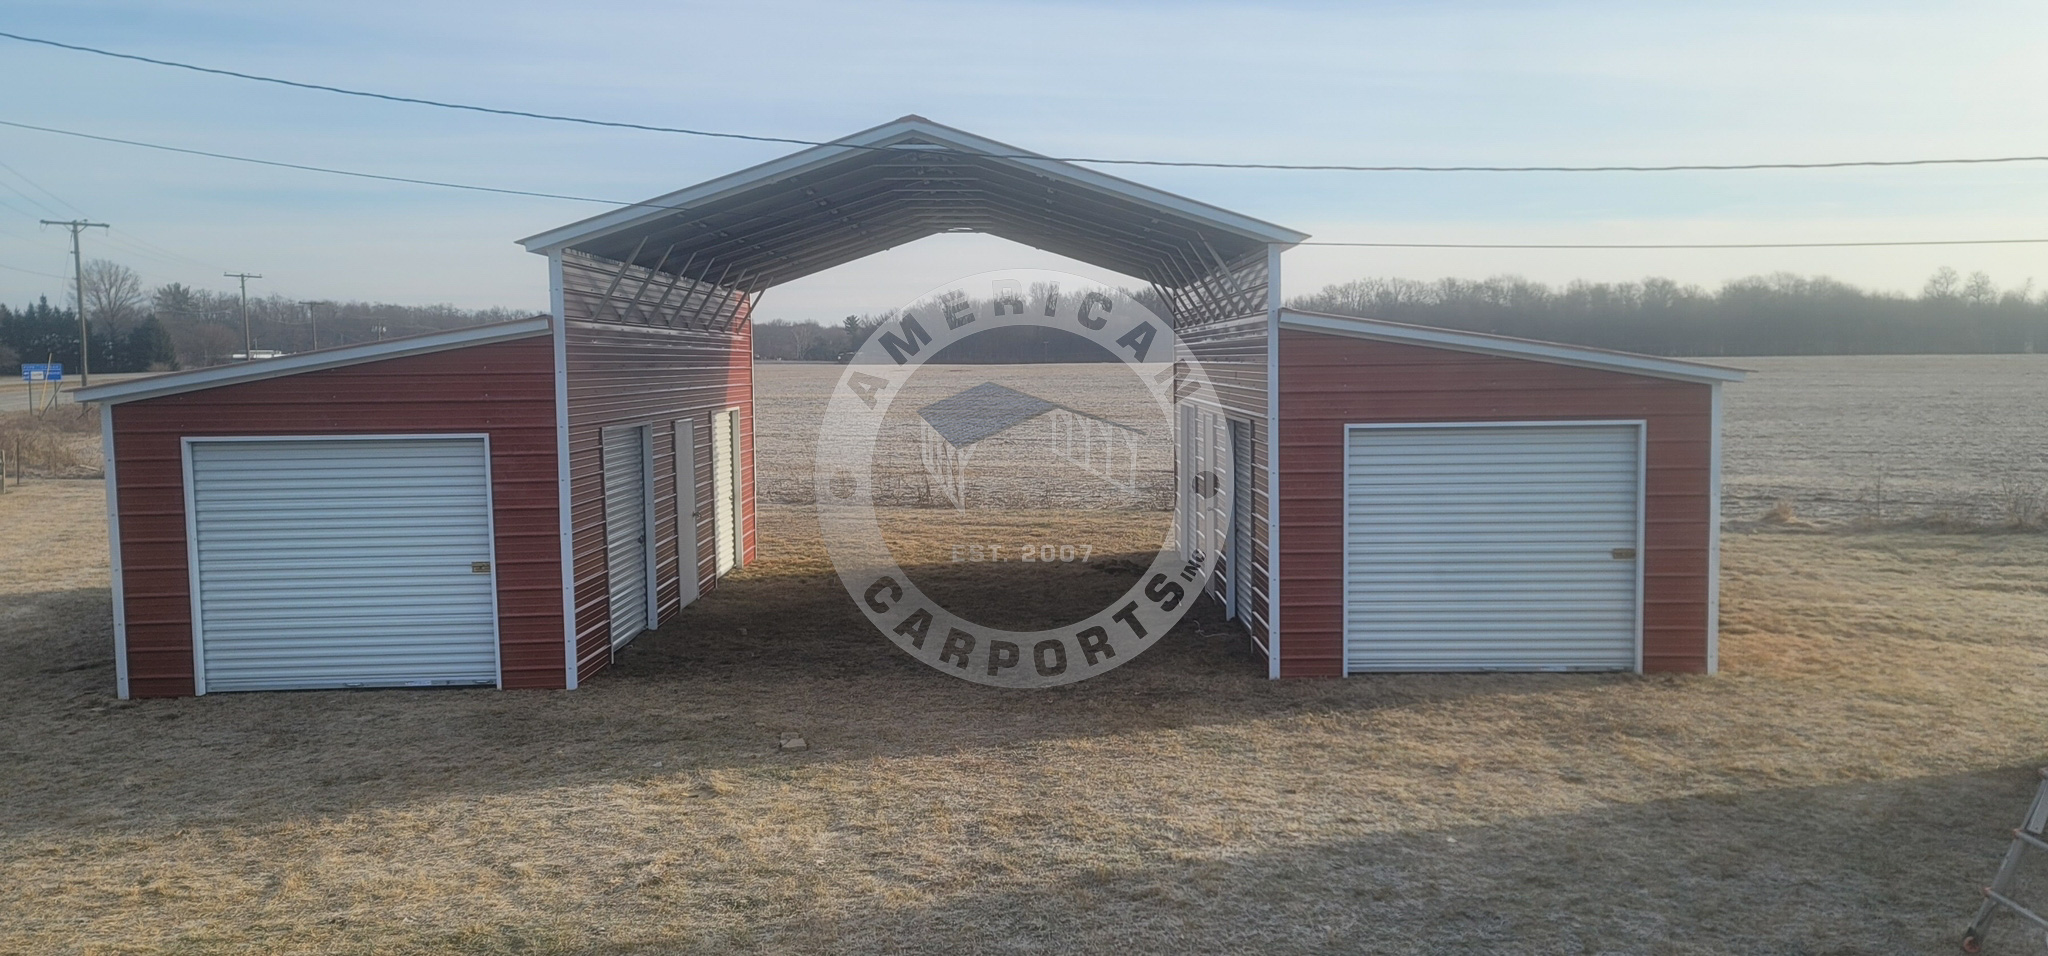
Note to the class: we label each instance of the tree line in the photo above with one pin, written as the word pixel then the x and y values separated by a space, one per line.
pixel 1780 314
pixel 133 329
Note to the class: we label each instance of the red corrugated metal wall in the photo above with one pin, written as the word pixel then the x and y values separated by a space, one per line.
pixel 624 375
pixel 1329 381
pixel 505 389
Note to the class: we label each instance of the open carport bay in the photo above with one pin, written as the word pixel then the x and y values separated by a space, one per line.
pixel 1843 786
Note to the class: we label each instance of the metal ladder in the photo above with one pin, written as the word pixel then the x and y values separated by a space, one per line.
pixel 2030 835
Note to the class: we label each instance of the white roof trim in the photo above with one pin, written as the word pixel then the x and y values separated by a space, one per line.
pixel 1531 349
pixel 893 133
pixel 173 383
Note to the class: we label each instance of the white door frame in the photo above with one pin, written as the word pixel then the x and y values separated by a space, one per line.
pixel 1642 427
pixel 1236 545
pixel 192 533
pixel 650 567
pixel 689 511
pixel 729 416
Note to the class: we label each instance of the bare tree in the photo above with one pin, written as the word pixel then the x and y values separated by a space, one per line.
pixel 204 344
pixel 113 295
pixel 1979 290
pixel 1943 284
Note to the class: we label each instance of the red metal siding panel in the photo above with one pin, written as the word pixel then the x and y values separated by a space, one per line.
pixel 624 375
pixel 505 390
pixel 1330 381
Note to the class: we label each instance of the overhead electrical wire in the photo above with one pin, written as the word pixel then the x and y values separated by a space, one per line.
pixel 18 174
pixel 1382 245
pixel 1094 160
pixel 47 275
pixel 125 239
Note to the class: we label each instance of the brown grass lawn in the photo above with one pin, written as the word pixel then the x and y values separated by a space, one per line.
pixel 1841 788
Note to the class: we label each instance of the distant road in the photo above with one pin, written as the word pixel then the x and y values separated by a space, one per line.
pixel 14 393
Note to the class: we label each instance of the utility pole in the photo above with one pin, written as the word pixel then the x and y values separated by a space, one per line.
pixel 313 321
pixel 248 340
pixel 78 275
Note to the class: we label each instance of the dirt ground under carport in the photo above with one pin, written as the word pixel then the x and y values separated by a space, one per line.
pixel 1842 787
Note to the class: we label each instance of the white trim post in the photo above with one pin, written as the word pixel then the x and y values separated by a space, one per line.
pixel 1714 537
pixel 491 533
pixel 192 569
pixel 1273 305
pixel 557 306
pixel 114 554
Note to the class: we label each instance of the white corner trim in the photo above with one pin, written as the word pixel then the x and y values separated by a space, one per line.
pixel 906 132
pixel 173 383
pixel 1273 315
pixel 565 515
pixel 192 568
pixel 491 533
pixel 114 554
pixel 1507 347
pixel 1714 538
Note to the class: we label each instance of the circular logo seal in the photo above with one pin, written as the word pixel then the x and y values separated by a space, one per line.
pixel 953 427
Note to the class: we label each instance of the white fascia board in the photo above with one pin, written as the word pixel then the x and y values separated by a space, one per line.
pixel 172 383
pixel 901 132
pixel 1530 349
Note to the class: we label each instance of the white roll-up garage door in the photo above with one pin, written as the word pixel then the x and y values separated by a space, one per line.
pixel 338 562
pixel 625 529
pixel 1508 547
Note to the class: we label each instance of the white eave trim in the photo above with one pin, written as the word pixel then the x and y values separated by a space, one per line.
pixel 173 383
pixel 910 134
pixel 1402 333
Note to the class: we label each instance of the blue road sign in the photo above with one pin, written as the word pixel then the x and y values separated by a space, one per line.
pixel 37 372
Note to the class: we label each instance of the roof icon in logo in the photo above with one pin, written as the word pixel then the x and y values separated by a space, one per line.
pixel 955 425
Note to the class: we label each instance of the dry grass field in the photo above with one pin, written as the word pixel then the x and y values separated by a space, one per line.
pixel 1880 439
pixel 1841 788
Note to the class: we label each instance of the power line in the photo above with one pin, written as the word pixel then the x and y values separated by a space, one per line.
pixel 33 201
pixel 1381 245
pixel 325 169
pixel 46 275
pixel 1097 160
pixel 1676 245
pixel 18 174
pixel 127 241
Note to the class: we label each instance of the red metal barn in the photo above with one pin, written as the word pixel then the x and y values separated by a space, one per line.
pixel 1457 501
pixel 393 513
pixel 508 505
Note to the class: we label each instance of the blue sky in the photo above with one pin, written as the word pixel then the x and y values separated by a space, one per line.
pixel 1427 83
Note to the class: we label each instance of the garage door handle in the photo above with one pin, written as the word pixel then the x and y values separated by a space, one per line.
pixel 1624 554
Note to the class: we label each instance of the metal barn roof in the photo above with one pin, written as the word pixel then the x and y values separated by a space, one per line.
pixel 192 380
pixel 905 180
pixel 1507 346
